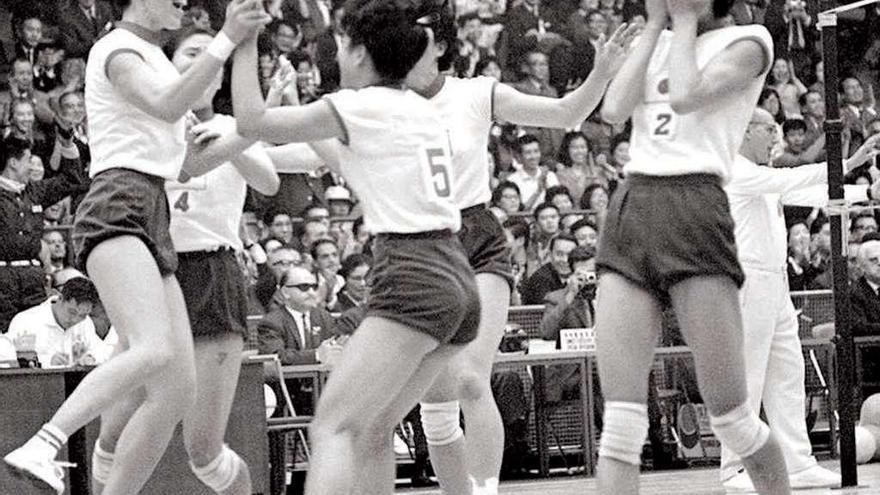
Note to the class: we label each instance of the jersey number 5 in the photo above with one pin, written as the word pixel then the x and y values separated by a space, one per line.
pixel 438 162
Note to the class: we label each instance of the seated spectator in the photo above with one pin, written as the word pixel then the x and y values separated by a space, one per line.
pixel 865 308
pixel 339 201
pixel 795 152
pixel 586 30
pixel 559 197
pixel 595 199
pixel 857 109
pixel 550 276
pixel 355 270
pixel 586 233
pixel 325 258
pixel 506 196
pixel 22 125
pixel 82 23
pixel 537 82
pixel 801 271
pixel 306 76
pixel 280 227
pixel 47 69
pixel 820 253
pixel 577 168
pixel 56 250
pixel 317 212
pixel 30 33
pixel 544 228
pixel 277 263
pixel 532 179
pixel 60 330
pixel 312 230
pixel 813 109
pixel 286 36
pixel 784 80
pixel 862 224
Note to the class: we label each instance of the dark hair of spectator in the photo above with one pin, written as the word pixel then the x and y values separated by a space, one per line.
pixel 12 147
pixel 47 45
pixel 324 240
pixel 588 195
pixel 845 79
pixel 353 261
pixel 817 225
pixel 527 139
pixel 633 9
pixel 855 219
pixel 439 16
pixel 562 236
pixel 802 99
pixel 583 222
pixel 389 32
pixel 297 56
pixel 81 290
pixel 313 206
pixel 580 254
pixel 793 125
pixel 182 35
pixel 617 139
pixel 564 157
pixel 67 94
pixel 518 228
pixel 483 63
pixel 271 213
pixel 721 8
pixel 122 4
pixel 499 190
pixel 543 206
pixel 871 236
pixel 554 191
pixel 466 17
pixel 276 24
pixel 767 93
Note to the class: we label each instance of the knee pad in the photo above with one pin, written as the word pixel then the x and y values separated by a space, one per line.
pixel 741 430
pixel 219 474
pixel 624 430
pixel 102 462
pixel 440 420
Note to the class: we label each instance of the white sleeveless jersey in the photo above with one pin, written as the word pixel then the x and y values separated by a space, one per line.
pixel 703 141
pixel 206 210
pixel 466 106
pixel 396 156
pixel 120 134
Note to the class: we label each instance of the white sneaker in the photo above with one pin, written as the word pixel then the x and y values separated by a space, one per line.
pixel 740 483
pixel 31 464
pixel 814 477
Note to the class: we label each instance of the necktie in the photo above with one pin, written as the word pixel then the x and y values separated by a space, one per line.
pixel 304 331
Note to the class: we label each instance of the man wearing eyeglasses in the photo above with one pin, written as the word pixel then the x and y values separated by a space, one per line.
pixel 774 363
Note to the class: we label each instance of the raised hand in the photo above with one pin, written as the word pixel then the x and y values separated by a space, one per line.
pixel 688 8
pixel 612 53
pixel 282 85
pixel 244 18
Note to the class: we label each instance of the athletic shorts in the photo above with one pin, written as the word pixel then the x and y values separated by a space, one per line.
pixel 125 202
pixel 662 230
pixel 485 243
pixel 214 291
pixel 424 281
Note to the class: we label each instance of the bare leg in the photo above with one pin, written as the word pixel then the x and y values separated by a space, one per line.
pixel 709 315
pixel 218 363
pixel 625 343
pixel 376 365
pixel 467 379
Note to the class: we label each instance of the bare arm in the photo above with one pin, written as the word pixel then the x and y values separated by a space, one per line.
pixel 730 71
pixel 572 109
pixel 257 169
pixel 130 75
pixel 627 88
pixel 314 122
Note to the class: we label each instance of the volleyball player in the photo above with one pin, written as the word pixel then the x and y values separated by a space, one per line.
pixel 205 216
pixel 136 101
pixel 394 151
pixel 471 106
pixel 669 238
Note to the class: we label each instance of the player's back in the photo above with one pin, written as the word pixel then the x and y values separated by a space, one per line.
pixel 703 141
pixel 396 156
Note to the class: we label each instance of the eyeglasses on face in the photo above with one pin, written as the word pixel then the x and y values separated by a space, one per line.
pixel 302 287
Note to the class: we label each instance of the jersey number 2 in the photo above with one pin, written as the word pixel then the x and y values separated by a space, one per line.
pixel 662 128
pixel 437 161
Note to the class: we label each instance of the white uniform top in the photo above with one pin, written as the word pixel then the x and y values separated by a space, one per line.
pixel 756 197
pixel 206 210
pixel 51 339
pixel 703 141
pixel 466 106
pixel 120 134
pixel 396 156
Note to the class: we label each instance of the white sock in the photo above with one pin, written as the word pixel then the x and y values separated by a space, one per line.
pixel 102 463
pixel 49 440
pixel 490 487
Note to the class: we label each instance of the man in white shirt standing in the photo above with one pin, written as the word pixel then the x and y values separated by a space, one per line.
pixel 774 362
pixel 60 330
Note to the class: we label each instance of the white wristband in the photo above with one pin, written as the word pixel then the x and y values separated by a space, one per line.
pixel 221 47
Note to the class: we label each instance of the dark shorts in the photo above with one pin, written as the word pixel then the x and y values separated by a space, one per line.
pixel 662 230
pixel 424 281
pixel 125 202
pixel 214 291
pixel 485 243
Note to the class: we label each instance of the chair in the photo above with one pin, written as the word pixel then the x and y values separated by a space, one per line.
pixel 278 428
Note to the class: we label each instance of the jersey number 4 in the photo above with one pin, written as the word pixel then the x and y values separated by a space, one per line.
pixel 438 164
pixel 182 202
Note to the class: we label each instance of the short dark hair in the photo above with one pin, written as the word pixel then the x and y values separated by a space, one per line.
pixel 793 125
pixel 484 62
pixel 554 191
pixel 579 254
pixel 182 35
pixel 319 242
pixel 81 290
pixel 297 56
pixel 273 212
pixel 12 147
pixel 440 17
pixel 517 226
pixel 721 8
pixel 802 99
pixel 541 207
pixel 389 31
pixel 499 189
pixel 353 261
pixel 583 222
pixel 562 236
pixel 588 193
pixel 526 139
pixel 817 225
pixel 563 156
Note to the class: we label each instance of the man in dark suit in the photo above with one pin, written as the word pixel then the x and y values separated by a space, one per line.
pixel 326 46
pixel 30 33
pixel 82 23
pixel 296 330
pixel 549 277
pixel 865 307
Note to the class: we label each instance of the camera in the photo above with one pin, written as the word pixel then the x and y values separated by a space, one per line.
pixel 515 339
pixel 588 290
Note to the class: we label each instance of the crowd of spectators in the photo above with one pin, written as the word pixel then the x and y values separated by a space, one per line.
pixel 308 253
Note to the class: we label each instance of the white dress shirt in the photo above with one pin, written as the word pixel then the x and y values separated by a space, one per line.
pixel 302 324
pixel 51 339
pixel 756 197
